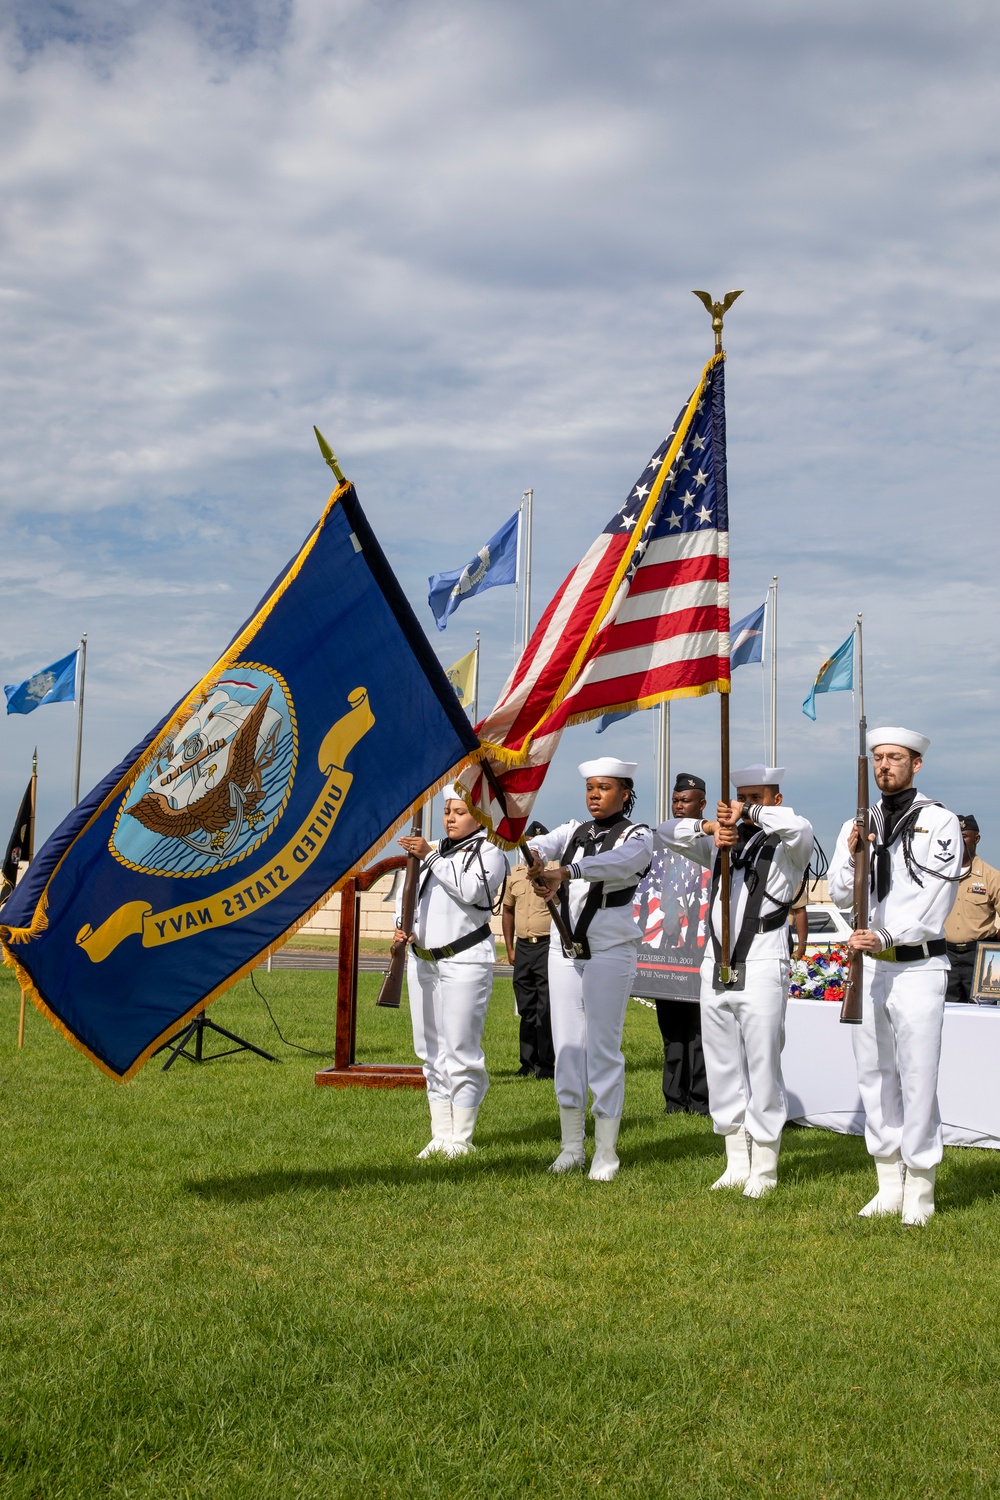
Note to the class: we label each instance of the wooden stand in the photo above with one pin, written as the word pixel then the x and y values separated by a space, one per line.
pixel 347 1073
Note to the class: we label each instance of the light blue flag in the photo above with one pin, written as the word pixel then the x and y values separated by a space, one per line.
pixel 493 564
pixel 55 684
pixel 606 719
pixel 747 639
pixel 834 676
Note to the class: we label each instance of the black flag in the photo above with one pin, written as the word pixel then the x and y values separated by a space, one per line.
pixel 19 846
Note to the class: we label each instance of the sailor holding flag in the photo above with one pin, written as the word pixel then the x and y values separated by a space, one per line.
pixel 600 865
pixel 770 848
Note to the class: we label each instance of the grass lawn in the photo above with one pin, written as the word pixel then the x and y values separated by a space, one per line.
pixel 225 1282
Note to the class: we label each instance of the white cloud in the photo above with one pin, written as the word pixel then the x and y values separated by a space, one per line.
pixel 461 239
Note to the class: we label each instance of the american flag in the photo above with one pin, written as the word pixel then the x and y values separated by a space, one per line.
pixel 643 617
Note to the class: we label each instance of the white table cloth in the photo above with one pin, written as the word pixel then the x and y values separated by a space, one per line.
pixel 822 1084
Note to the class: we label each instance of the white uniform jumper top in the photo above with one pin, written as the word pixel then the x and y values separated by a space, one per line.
pixel 588 996
pixel 897 1047
pixel 458 888
pixel 749 1021
pixel 792 853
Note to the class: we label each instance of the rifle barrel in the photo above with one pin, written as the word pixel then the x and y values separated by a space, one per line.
pixel 391 993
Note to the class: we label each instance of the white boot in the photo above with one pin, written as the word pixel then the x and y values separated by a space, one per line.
pixel 737 1171
pixel 440 1129
pixel 763 1168
pixel 918 1194
pixel 571 1157
pixel 889 1198
pixel 463 1123
pixel 604 1167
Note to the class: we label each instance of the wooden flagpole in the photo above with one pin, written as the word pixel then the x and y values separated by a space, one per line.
pixel 717 311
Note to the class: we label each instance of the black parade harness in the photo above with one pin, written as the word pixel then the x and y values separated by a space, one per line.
pixel 754 855
pixel 588 839
pixel 473 842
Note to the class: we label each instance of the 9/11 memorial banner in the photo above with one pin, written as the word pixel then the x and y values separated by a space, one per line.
pixel 671 910
pixel 284 770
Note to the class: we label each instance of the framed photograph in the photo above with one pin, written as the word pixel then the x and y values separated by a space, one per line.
pixel 986 978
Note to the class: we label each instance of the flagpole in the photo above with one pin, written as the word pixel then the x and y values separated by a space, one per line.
pixel 34 794
pixel 661 801
pixel 527 500
pixel 774 669
pixel 717 311
pixel 81 677
pixel 475 684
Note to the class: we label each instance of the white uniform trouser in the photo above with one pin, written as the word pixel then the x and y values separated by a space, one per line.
pixel 897 1049
pixel 448 1001
pixel 587 1000
pixel 742 1034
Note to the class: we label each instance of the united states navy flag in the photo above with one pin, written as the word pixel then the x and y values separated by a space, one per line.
pixel 283 771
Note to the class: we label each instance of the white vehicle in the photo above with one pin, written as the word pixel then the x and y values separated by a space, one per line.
pixel 828 926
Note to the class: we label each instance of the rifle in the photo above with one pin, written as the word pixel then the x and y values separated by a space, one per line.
pixel 850 1009
pixel 392 985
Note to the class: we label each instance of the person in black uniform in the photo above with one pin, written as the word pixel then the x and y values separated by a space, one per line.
pixel 685 1086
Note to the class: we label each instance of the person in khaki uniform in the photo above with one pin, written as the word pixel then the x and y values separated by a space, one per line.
pixel 527 925
pixel 974 917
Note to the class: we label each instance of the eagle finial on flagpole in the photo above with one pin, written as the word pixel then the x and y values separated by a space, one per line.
pixel 717 311
pixel 330 456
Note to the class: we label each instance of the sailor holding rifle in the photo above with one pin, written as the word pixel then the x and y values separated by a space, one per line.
pixel 449 970
pixel 600 864
pixel 770 848
pixel 916 864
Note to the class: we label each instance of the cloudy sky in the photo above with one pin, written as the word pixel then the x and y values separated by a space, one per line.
pixel 461 239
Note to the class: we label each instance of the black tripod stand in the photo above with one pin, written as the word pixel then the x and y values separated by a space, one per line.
pixel 195 1032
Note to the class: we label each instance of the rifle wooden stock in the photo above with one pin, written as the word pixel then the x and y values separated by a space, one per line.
pixel 851 1006
pixel 392 985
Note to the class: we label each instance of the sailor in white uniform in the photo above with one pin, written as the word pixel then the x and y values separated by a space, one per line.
pixel 449 972
pixel 600 864
pixel 770 848
pixel 916 863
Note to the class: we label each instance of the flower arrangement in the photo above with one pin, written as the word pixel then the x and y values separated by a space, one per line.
pixel 820 976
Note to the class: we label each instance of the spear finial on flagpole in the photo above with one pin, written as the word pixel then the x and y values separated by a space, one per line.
pixel 717 312
pixel 329 455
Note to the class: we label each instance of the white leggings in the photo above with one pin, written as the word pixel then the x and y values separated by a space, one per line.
pixel 897 1049
pixel 746 1028
pixel 448 1001
pixel 587 1000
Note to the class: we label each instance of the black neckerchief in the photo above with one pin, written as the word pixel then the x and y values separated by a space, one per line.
pixel 591 834
pixel 894 810
pixel 446 846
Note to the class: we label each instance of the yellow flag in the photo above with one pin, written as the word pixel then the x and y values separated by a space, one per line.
pixel 462 676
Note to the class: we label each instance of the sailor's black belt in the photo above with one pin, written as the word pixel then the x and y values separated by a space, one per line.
pixel 544 939
pixel 908 953
pixel 619 898
pixel 962 947
pixel 431 955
